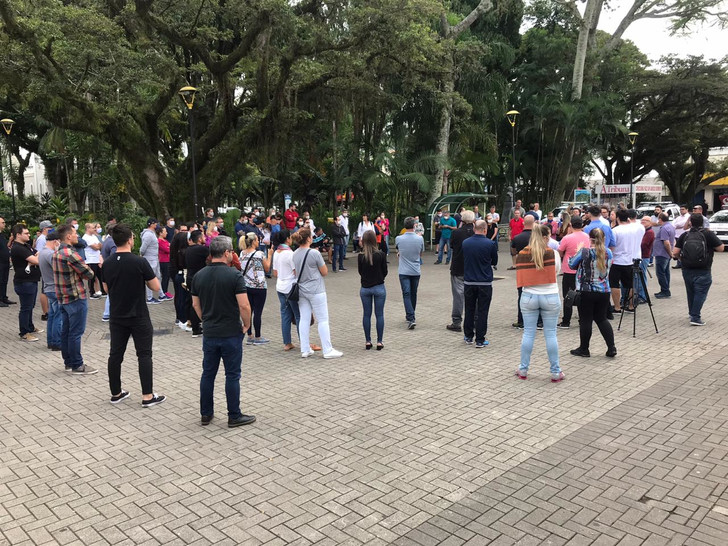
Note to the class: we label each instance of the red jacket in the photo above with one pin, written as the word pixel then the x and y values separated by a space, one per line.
pixel 516 227
pixel 291 216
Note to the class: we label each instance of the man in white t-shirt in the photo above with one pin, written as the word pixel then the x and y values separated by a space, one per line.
pixel 93 260
pixel 681 226
pixel 627 248
pixel 344 222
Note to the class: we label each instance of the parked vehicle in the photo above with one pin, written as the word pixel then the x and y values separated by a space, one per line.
pixel 719 225
pixel 648 209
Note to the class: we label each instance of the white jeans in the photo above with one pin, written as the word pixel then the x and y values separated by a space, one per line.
pixel 318 304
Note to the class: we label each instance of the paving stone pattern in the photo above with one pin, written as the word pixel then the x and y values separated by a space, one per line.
pixel 427 442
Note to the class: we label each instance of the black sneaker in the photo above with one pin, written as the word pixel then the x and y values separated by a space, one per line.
pixel 205 420
pixel 411 325
pixel 563 325
pixel 154 400
pixel 518 325
pixel 196 334
pixel 240 421
pixel 120 397
pixel 611 352
pixel 44 317
pixel 539 326
pixel 580 352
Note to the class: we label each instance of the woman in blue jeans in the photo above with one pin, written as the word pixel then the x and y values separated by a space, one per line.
pixel 373 271
pixel 536 270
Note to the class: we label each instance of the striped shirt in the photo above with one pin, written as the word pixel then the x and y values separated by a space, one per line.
pixel 528 275
pixel 69 271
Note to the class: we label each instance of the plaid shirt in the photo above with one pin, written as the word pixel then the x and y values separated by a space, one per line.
pixel 69 271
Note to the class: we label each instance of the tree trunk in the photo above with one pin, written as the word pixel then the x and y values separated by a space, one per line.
pixel 443 138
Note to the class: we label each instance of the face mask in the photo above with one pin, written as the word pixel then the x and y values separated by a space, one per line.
pixel 171 223
pixel 98 230
pixel 189 234
pixel 75 226
pixel 215 228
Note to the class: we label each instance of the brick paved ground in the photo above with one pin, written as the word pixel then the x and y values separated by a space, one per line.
pixel 426 442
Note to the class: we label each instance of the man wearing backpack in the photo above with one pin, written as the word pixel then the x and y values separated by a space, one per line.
pixel 695 250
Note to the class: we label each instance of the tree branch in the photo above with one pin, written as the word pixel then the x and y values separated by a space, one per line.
pixel 466 23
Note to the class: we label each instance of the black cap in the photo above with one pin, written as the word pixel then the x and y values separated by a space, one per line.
pixel 151 221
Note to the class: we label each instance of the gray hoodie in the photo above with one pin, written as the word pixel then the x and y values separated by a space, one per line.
pixel 150 246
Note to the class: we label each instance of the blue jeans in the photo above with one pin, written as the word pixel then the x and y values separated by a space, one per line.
pixel 549 306
pixel 289 312
pixel 107 308
pixel 346 244
pixel 55 320
pixel 74 325
pixel 339 252
pixel 376 295
pixel 409 284
pixel 697 284
pixel 27 292
pixel 441 248
pixel 662 269
pixel 230 349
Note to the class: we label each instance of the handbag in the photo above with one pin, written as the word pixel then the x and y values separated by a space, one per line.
pixel 293 294
pixel 573 297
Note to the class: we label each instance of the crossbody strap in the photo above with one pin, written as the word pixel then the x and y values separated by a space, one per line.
pixel 302 266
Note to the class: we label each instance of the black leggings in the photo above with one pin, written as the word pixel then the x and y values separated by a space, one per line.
pixel 97 275
pixel 593 306
pixel 256 297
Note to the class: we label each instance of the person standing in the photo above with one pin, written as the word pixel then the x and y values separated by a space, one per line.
pixel 312 295
pixel 171 229
pixel 93 260
pixel 4 267
pixel 627 248
pixel 149 250
pixel 518 243
pixel 648 240
pixel 448 224
pixel 372 264
pixel 695 249
pixel 219 298
pixel 339 236
pixel 27 275
pixel 592 279
pixel 177 249
pixel 291 216
pixel 108 247
pixel 457 270
pixel 518 208
pixel 69 272
pixel 494 214
pixel 536 270
pixel 255 263
pixel 40 243
pixel 364 225
pixel 517 225
pixel 383 225
pixel 126 277
pixel 662 251
pixel 164 245
pixel 409 251
pixel 196 259
pixel 344 222
pixel 568 246
pixel 681 226
pixel 55 319
pixel 480 254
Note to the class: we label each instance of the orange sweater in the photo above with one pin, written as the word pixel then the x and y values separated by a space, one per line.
pixel 528 275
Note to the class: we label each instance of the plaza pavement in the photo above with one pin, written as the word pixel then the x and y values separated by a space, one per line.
pixel 427 442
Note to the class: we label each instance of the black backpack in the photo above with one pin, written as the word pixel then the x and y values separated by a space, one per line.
pixel 694 252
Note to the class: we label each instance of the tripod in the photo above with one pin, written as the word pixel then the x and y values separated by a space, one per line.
pixel 637 272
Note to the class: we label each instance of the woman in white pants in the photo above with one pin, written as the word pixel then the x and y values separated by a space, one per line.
pixel 310 266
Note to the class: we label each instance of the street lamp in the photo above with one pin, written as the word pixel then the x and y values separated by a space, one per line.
pixel 188 96
pixel 8 126
pixel 632 138
pixel 512 115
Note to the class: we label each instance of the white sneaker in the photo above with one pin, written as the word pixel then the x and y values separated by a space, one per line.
pixel 333 353
pixel 97 294
pixel 307 354
pixel 183 326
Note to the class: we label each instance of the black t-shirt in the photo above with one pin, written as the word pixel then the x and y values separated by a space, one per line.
pixel 457 268
pixel 195 259
pixel 19 254
pixel 372 274
pixel 125 275
pixel 217 286
pixel 521 241
pixel 711 241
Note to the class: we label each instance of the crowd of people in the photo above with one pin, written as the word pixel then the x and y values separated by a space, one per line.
pixel 220 280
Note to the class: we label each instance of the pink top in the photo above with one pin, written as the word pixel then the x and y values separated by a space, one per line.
pixel 568 247
pixel 163 251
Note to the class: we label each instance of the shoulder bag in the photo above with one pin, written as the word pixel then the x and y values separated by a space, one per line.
pixel 293 294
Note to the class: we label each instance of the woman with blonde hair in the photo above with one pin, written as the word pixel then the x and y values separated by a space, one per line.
pixel 211 232
pixel 311 270
pixel 592 280
pixel 536 270
pixel 565 227
pixel 372 264
pixel 255 264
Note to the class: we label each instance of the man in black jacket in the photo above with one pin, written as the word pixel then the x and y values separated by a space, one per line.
pixel 457 269
pixel 4 266
pixel 196 259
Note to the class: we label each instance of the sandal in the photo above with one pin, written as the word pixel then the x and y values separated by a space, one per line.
pixel 289 347
pixel 380 346
pixel 368 345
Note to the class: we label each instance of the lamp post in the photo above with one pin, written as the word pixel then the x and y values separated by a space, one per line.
pixel 8 127
pixel 512 115
pixel 632 138
pixel 188 96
